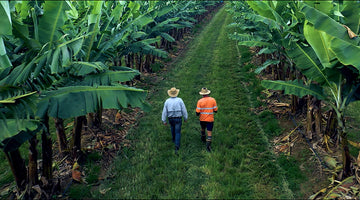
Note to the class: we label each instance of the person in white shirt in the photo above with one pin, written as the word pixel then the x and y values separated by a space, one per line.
pixel 174 109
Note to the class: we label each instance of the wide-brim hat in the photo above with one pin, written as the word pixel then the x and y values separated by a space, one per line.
pixel 204 91
pixel 173 92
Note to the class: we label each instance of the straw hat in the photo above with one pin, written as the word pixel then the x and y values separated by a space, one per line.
pixel 173 92
pixel 204 91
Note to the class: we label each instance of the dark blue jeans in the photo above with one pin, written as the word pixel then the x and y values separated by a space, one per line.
pixel 175 125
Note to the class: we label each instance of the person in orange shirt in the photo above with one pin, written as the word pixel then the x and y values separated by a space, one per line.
pixel 206 108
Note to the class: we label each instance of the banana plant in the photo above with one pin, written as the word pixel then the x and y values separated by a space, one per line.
pixel 5 24
pixel 18 124
pixel 47 63
pixel 261 26
pixel 332 62
pixel 317 43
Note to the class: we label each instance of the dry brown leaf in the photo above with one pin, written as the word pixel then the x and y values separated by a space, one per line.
pixel 282 104
pixel 75 172
pixel 350 33
pixel 282 148
pixel 36 188
pixel 76 175
pixel 355 144
pixel 103 191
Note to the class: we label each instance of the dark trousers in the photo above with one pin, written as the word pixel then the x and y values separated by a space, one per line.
pixel 175 126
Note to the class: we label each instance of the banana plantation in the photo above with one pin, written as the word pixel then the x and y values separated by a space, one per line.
pixel 83 83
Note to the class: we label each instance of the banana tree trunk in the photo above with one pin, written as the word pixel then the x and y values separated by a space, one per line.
pixel 46 150
pixel 127 60
pixel 138 61
pixel 294 99
pixel 331 126
pixel 147 63
pixel 345 148
pixel 317 117
pixel 281 68
pixel 294 103
pixel 94 119
pixel 76 139
pixel 309 118
pixel 32 166
pixel 98 118
pixel 61 136
pixel 90 118
pixel 17 165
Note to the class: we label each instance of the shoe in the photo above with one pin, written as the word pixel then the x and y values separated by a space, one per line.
pixel 176 151
pixel 208 146
pixel 203 139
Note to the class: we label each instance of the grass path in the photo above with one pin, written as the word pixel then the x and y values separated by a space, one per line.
pixel 241 164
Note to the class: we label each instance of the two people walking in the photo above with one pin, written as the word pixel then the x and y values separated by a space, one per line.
pixel 174 109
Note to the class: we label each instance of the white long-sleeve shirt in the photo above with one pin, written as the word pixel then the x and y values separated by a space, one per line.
pixel 174 107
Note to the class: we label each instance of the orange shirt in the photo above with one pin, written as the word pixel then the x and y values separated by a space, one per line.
pixel 206 106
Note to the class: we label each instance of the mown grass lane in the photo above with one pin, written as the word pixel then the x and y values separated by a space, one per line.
pixel 241 165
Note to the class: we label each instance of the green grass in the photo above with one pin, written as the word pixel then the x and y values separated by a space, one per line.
pixel 241 165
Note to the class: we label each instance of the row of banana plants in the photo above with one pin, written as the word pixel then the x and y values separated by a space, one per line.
pixel 312 50
pixel 63 59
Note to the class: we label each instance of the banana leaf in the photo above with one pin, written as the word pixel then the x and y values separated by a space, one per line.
pixel 267 50
pixel 110 77
pixel 4 62
pixel 255 44
pixel 265 65
pixel 307 62
pixel 5 18
pixel 262 8
pixel 320 42
pixel 246 37
pixel 76 101
pixel 167 37
pixel 13 98
pixel 21 31
pixel 15 132
pixel 347 53
pixel 329 49
pixel 295 87
pixel 49 24
pixel 22 7
pixel 4 59
pixel 160 25
pixel 164 11
pixel 272 24
pixel 351 14
pixel 84 68
pixel 323 22
pixel 323 6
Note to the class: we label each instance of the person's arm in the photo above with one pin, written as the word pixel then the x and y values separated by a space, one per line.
pixel 215 106
pixel 164 114
pixel 197 109
pixel 184 111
